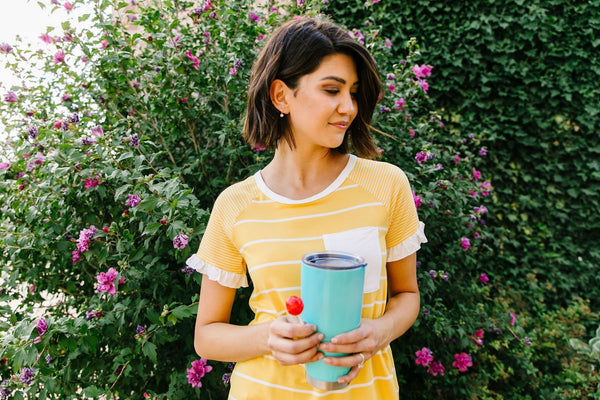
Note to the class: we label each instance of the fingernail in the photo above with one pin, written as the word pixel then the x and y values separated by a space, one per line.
pixel 320 336
pixel 334 340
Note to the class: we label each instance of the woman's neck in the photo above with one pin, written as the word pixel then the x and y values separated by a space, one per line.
pixel 298 174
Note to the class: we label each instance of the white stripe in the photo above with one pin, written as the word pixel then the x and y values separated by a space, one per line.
pixel 287 289
pixel 263 201
pixel 307 216
pixel 279 240
pixel 272 264
pixel 346 187
pixel 313 393
pixel 373 304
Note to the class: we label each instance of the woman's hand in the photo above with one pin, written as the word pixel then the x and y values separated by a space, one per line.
pixel 293 343
pixel 360 344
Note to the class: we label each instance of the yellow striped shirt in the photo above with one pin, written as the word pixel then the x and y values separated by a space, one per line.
pixel 368 210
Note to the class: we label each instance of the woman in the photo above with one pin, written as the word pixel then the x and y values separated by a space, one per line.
pixel 312 94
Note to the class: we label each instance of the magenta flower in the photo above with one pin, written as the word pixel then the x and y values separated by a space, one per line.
pixel 133 200
pixel 476 174
pixel 480 210
pixel 180 241
pixel 197 372
pixel 424 357
pixel 483 151
pixel 97 131
pixel 421 157
pixel 258 147
pixel 412 133
pixel 42 326
pixel 11 97
pixel 456 159
pixel 90 183
pixel 486 188
pixel 513 319
pixel 436 368
pixel 104 43
pixel 422 71
pixel 399 104
pixel 106 281
pixel 195 59
pixel 483 278
pixel 463 362
pixel 85 236
pixel 300 3
pixel 423 85
pixel 465 243
pixel 254 17
pixel 59 57
pixel 46 38
pixel 5 48
pixel 388 43
pixel 68 6
pixel 76 256
pixel 477 337
pixel 4 165
pixel 233 71
pixel 417 199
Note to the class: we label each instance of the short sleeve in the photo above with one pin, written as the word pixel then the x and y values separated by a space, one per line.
pixel 217 257
pixel 406 232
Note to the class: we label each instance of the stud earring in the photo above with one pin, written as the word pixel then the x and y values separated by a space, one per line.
pixel 280 115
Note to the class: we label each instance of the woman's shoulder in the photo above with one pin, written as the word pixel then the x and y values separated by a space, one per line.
pixel 238 195
pixel 380 170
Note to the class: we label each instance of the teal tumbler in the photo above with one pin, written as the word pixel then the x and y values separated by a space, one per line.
pixel 332 290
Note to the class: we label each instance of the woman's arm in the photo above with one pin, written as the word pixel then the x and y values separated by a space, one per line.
pixel 216 339
pixel 374 334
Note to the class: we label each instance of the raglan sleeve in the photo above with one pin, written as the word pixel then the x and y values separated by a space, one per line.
pixel 218 257
pixel 406 232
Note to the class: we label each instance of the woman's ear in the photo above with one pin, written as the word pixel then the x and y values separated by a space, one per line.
pixel 278 93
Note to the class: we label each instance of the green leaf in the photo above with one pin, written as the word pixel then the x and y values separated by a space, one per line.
pixel 149 350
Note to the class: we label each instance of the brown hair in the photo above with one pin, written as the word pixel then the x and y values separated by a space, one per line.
pixel 296 49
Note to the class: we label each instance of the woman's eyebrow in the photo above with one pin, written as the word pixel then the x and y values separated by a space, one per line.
pixel 337 79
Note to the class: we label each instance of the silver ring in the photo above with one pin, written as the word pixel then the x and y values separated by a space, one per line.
pixel 362 363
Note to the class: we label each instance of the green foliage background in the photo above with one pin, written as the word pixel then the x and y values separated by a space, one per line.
pixel 518 79
pixel 524 75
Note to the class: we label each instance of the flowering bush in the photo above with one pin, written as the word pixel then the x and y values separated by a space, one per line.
pixel 135 127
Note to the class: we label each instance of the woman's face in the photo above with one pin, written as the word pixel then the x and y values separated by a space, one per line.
pixel 323 105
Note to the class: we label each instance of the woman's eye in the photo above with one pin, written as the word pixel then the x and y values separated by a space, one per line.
pixel 354 95
pixel 332 91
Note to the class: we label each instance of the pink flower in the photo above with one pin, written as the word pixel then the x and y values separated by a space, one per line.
pixel 133 200
pixel 85 236
pixel 436 368
pixel 46 38
pixel 388 43
pixel 197 372
pixel 195 59
pixel 424 357
pixel 104 43
pixel 11 97
pixel 42 326
pixel 484 278
pixel 5 48
pixel 465 243
pixel 97 131
pixel 486 188
pixel 417 199
pixel 76 256
pixel 513 319
pixel 422 71
pixel 477 337
pixel 476 174
pixel 411 133
pixel 456 159
pixel 254 17
pixel 423 85
pixel 233 71
pixel 258 147
pixel 483 151
pixel 65 97
pixel 106 281
pixel 463 361
pixel 421 157
pixel 392 88
pixel 4 165
pixel 59 57
pixel 399 104
pixel 180 241
pixel 68 6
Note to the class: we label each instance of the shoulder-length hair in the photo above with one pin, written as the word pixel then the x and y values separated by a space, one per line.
pixel 296 49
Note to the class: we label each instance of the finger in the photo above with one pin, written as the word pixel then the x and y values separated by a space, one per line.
pixel 281 327
pixel 353 336
pixel 353 373
pixel 307 356
pixel 351 360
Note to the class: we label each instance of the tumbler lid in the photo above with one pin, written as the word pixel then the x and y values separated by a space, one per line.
pixel 333 260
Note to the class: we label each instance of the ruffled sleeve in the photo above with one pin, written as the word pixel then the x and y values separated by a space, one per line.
pixel 409 245
pixel 225 278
